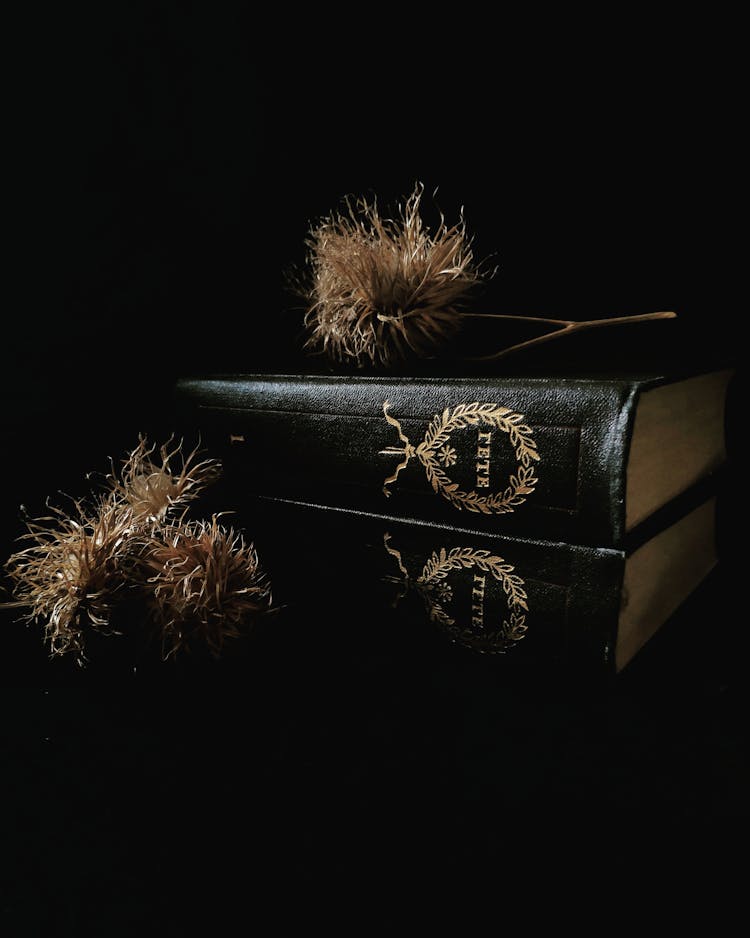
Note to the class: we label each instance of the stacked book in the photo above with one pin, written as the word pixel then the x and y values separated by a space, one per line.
pixel 563 518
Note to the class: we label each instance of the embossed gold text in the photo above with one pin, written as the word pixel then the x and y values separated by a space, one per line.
pixel 477 602
pixel 483 459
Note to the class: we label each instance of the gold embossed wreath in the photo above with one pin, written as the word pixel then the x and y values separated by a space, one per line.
pixel 432 585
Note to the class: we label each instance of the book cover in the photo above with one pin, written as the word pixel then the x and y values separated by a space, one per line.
pixel 578 459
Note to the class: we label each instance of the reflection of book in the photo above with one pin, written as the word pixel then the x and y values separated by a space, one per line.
pixel 588 607
pixel 577 459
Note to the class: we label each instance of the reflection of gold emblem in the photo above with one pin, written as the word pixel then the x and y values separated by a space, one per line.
pixel 436 449
pixel 435 589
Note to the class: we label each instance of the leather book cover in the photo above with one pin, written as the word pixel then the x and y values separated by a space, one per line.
pixel 543 457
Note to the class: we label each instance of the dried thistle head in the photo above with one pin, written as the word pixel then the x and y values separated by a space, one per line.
pixel 203 584
pixel 381 290
pixel 152 485
pixel 69 574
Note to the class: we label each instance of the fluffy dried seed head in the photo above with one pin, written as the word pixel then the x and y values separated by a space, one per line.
pixel 67 578
pixel 204 585
pixel 150 486
pixel 382 290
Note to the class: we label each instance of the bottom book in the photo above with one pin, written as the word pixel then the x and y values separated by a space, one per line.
pixel 590 608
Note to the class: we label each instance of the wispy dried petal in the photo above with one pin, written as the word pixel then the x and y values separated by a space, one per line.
pixel 151 487
pixel 203 583
pixel 68 577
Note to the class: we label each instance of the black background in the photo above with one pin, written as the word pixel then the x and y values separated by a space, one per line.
pixel 166 162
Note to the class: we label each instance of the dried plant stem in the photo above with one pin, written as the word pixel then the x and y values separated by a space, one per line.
pixel 565 327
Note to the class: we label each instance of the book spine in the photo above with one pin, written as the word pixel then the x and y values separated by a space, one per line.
pixel 539 458
pixel 540 604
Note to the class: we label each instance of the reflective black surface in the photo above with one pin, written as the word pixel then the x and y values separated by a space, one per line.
pixel 346 733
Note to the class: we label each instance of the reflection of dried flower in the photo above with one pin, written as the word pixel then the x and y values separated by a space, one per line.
pixel 384 289
pixel 69 575
pixel 151 488
pixel 204 584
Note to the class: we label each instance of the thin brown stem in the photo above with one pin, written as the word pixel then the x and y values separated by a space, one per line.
pixel 566 328
pixel 617 320
pixel 562 322
pixel 383 317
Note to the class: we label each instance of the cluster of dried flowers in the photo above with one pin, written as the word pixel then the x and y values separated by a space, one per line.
pixel 200 581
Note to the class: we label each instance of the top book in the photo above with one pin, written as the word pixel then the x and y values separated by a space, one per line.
pixel 577 459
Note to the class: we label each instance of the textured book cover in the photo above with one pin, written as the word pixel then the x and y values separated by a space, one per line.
pixel 580 459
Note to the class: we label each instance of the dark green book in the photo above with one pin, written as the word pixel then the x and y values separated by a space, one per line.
pixel 579 459
pixel 586 609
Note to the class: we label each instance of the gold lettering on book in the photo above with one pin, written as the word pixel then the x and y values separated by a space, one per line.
pixel 433 585
pixel 436 455
pixel 477 602
pixel 483 453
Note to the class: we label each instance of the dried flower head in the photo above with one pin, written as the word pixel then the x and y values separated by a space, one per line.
pixel 68 577
pixel 151 487
pixel 383 289
pixel 203 583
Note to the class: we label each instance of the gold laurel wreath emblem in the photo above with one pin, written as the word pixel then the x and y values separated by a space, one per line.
pixel 434 590
pixel 432 585
pixel 520 484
